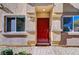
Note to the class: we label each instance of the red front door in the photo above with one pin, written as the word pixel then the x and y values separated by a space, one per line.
pixel 43 31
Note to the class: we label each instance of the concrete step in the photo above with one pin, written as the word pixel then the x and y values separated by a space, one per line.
pixel 43 44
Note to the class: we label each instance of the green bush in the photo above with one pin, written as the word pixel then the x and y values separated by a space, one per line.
pixel 10 52
pixel 7 52
pixel 23 53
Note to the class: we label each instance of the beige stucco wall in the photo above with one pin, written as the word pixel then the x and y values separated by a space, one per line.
pixel 56 22
pixel 31 26
pixel 19 9
pixel 15 8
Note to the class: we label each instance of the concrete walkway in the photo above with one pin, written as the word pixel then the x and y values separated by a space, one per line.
pixel 55 51
pixel 51 50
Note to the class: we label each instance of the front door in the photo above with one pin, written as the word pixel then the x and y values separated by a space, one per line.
pixel 43 31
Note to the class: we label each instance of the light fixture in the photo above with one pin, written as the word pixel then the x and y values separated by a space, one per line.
pixel 44 9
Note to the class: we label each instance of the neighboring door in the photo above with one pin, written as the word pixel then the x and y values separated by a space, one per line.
pixel 43 31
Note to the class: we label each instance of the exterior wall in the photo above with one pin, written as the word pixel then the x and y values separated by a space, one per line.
pixel 70 9
pixel 19 9
pixel 55 18
pixel 31 25
pixel 58 7
pixel 56 22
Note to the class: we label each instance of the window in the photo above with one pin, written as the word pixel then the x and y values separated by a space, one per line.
pixel 76 23
pixel 14 24
pixel 10 24
pixel 71 24
pixel 20 25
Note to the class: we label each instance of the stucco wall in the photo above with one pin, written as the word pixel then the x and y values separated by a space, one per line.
pixel 56 22
pixel 19 9
pixel 31 26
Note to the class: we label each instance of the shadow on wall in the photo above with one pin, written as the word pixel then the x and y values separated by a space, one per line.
pixel 69 9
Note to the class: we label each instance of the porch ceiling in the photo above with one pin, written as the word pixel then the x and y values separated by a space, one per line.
pixel 47 8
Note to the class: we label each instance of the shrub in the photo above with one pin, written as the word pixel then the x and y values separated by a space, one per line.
pixel 23 53
pixel 7 52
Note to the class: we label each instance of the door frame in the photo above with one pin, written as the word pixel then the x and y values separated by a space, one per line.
pixel 49 30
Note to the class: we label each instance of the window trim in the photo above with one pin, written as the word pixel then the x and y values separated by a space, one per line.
pixel 70 32
pixel 14 32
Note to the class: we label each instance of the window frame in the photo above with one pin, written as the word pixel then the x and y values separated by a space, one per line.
pixel 72 20
pixel 8 15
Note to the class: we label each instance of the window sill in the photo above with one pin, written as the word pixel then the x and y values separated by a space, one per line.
pixel 73 33
pixel 15 33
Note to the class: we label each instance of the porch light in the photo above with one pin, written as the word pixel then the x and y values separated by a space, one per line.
pixel 44 9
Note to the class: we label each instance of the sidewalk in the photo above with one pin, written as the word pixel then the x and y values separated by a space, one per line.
pixel 50 50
